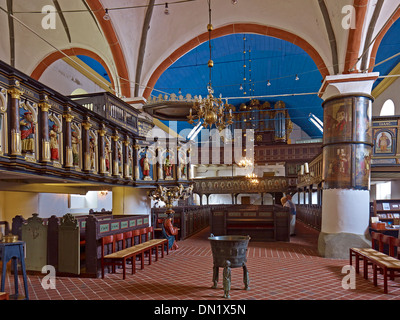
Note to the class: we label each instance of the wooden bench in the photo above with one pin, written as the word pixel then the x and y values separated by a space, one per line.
pixel 379 260
pixel 120 257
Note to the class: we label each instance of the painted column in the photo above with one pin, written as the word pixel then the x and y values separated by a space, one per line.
pixel 347 145
pixel 86 145
pixel 69 159
pixel 136 162
pixel 126 161
pixel 44 119
pixel 102 158
pixel 15 137
pixel 115 165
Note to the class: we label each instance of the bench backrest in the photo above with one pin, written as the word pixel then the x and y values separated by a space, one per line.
pixel 376 239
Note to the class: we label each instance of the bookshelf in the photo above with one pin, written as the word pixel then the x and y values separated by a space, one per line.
pixel 387 211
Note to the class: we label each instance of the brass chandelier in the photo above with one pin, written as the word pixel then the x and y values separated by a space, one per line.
pixel 212 111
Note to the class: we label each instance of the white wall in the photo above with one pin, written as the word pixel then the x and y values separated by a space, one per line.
pixel 127 200
pixel 390 93
pixel 48 204
pixel 63 78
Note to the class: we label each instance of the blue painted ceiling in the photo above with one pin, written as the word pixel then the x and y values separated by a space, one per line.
pixel 389 46
pixel 267 59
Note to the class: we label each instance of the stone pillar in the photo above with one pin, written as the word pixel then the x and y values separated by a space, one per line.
pixel 69 158
pixel 347 144
pixel 14 128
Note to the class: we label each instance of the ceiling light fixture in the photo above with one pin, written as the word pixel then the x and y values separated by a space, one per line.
pixel 212 111
pixel 106 16
pixel 166 10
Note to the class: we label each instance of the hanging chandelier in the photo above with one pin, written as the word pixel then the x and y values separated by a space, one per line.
pixel 210 110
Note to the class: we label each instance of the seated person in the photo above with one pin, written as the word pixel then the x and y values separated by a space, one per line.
pixel 169 231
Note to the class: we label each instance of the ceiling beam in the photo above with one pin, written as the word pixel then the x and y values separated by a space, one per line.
pixel 331 35
pixel 142 47
pixel 386 82
pixel 62 18
pixel 11 32
pixel 371 29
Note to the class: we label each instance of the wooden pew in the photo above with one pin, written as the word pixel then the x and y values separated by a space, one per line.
pixel 121 257
pixel 383 257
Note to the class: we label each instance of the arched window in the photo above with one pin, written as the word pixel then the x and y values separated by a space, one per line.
pixel 387 108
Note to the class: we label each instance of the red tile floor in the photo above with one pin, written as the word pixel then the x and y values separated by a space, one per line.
pixel 277 270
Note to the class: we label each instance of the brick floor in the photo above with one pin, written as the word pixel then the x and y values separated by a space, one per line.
pixel 277 270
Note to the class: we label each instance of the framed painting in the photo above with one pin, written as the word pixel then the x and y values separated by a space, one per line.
pixel 385 141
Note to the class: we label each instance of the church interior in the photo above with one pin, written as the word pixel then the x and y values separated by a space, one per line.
pixel 199 150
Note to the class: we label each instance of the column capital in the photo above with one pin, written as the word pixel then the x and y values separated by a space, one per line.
pixel 345 84
pixel 44 106
pixel 86 124
pixel 68 117
pixel 15 92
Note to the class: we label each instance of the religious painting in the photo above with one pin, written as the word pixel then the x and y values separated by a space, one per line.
pixel 119 163
pixel 168 164
pixel 385 141
pixel 337 166
pixel 363 125
pixel 362 171
pixel 76 133
pixel 55 131
pixel 28 128
pixel 146 164
pixel 107 154
pixel 129 164
pixel 93 153
pixel 338 121
pixel 182 170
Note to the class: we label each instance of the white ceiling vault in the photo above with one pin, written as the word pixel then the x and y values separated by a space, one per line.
pixel 139 41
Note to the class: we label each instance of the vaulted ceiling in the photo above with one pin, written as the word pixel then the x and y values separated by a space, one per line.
pixel 144 52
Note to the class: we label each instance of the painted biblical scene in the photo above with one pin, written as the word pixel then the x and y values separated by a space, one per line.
pixel 362 172
pixel 385 141
pixel 363 125
pixel 119 160
pixel 107 154
pixel 146 159
pixel 337 168
pixel 168 164
pixel 54 136
pixel 182 173
pixel 92 161
pixel 76 145
pixel 338 121
pixel 27 125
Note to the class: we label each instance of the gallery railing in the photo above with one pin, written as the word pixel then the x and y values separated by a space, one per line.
pixel 96 138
